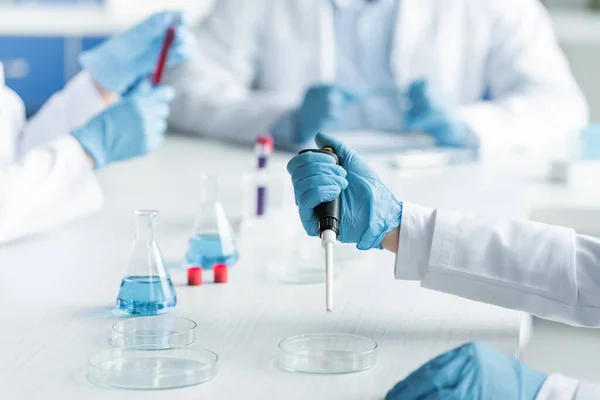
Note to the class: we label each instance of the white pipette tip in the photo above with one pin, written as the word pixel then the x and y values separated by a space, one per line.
pixel 328 241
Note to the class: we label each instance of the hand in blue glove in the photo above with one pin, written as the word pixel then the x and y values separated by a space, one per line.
pixel 368 209
pixel 429 112
pixel 121 61
pixel 472 371
pixel 132 127
pixel 323 108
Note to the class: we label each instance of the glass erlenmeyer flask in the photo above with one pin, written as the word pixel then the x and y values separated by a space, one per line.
pixel 146 288
pixel 212 241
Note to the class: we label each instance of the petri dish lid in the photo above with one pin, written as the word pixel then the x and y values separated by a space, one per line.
pixel 327 353
pixel 158 332
pixel 130 368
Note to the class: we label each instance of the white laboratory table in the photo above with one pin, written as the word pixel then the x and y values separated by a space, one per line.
pixel 57 290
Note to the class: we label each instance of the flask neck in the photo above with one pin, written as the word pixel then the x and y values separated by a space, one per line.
pixel 210 189
pixel 144 224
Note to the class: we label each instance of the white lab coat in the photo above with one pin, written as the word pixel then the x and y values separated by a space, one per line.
pixel 45 178
pixel 257 58
pixel 548 271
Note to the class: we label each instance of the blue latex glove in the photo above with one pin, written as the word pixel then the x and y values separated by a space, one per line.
pixel 472 371
pixel 124 59
pixel 368 209
pixel 323 108
pixel 132 127
pixel 430 112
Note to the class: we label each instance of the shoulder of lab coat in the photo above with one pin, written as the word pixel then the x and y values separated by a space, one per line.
pixel 66 110
pixel 544 270
pixel 49 186
pixel 214 95
pixel 534 96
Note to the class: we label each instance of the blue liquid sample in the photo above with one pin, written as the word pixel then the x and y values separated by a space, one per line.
pixel 206 250
pixel 146 295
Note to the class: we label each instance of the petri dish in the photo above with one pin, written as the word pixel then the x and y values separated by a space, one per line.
pixel 159 332
pixel 327 353
pixel 130 368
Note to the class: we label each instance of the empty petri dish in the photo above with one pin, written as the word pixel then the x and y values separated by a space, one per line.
pixel 130 368
pixel 327 353
pixel 159 332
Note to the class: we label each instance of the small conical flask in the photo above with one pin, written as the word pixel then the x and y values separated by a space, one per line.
pixel 212 240
pixel 146 288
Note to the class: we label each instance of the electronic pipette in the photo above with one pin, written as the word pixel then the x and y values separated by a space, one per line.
pixel 328 215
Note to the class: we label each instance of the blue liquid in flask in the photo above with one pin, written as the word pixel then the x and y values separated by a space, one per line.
pixel 206 250
pixel 146 295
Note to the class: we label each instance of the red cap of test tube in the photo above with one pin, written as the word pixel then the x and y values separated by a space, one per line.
pixel 194 276
pixel 266 142
pixel 220 272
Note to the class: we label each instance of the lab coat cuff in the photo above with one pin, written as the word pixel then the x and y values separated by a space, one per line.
pixel 83 85
pixel 587 390
pixel 558 386
pixel 414 246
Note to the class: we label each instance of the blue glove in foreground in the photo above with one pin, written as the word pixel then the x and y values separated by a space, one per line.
pixel 323 108
pixel 430 113
pixel 472 371
pixel 132 127
pixel 369 210
pixel 121 61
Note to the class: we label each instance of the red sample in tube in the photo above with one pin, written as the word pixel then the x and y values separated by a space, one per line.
pixel 220 272
pixel 163 56
pixel 194 276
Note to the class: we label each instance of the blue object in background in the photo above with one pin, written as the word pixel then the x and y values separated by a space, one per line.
pixel 590 142
pixel 206 250
pixel 36 67
pixel 146 295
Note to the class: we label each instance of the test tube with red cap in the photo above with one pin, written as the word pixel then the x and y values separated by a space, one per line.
pixel 264 148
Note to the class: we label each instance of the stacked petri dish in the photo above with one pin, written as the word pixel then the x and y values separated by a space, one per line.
pixel 152 353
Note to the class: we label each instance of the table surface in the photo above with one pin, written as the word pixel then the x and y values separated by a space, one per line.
pixel 57 289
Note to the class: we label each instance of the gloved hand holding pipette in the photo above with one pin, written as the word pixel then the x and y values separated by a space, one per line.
pixel 428 111
pixel 117 64
pixel 132 127
pixel 369 210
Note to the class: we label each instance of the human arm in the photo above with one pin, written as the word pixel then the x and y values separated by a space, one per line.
pixel 215 97
pixel 533 97
pixel 50 185
pixel 545 270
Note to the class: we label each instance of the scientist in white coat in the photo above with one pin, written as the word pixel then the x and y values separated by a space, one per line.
pixel 487 73
pixel 548 271
pixel 47 163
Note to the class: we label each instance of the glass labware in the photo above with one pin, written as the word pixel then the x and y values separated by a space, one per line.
pixel 146 288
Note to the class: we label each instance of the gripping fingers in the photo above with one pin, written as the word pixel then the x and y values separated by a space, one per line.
pixel 313 197
pixel 308 158
pixel 316 185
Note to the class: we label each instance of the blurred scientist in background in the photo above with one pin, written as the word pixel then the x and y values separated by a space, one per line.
pixel 47 163
pixel 462 71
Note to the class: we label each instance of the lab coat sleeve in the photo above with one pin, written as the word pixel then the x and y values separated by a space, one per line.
pixel 534 97
pixel 214 91
pixel 548 271
pixel 49 186
pixel 558 387
pixel 66 110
